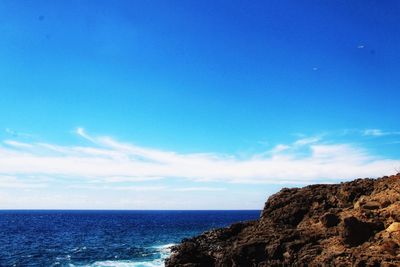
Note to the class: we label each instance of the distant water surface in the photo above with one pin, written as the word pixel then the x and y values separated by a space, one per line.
pixel 102 238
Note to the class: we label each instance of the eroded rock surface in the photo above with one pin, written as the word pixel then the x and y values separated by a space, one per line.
pixel 349 224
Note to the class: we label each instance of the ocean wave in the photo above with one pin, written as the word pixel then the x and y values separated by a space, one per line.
pixel 124 263
pixel 167 246
pixel 163 251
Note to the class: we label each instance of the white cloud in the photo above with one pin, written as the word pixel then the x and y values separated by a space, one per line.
pixel 307 141
pixel 107 160
pixel 378 132
pixel 373 132
pixel 17 134
pixel 80 131
pixel 17 144
pixel 118 188
pixel 124 179
pixel 7 181
pixel 280 148
pixel 200 188
pixel 145 188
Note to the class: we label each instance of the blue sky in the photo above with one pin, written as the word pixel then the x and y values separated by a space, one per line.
pixel 193 104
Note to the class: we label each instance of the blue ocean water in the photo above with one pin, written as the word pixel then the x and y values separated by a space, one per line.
pixel 102 238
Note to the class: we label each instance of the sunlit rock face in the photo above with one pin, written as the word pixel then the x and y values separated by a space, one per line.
pixel 349 224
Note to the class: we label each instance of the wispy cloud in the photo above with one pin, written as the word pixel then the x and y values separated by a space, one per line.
pixel 307 141
pixel 17 144
pixel 200 188
pixel 141 188
pixel 14 133
pixel 7 181
pixel 378 132
pixel 106 160
pixel 81 132
pixel 135 188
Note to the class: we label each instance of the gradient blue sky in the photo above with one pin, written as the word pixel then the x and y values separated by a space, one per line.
pixel 252 96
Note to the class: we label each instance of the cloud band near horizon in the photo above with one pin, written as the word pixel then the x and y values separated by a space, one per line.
pixel 105 160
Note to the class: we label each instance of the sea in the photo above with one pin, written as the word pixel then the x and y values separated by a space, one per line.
pixel 102 238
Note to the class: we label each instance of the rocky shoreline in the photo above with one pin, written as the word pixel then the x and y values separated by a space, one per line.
pixel 348 224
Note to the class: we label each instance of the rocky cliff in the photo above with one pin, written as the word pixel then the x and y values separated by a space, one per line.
pixel 349 224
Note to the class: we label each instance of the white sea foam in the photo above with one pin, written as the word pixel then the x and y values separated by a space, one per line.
pixel 124 263
pixel 164 252
pixel 153 263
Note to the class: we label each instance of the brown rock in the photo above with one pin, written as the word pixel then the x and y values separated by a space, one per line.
pixel 390 247
pixel 386 203
pixel 371 205
pixel 394 227
pixel 303 227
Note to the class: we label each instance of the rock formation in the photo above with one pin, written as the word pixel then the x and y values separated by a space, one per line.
pixel 349 224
